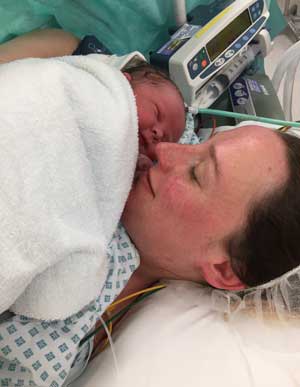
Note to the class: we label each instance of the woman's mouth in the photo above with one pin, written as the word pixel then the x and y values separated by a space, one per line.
pixel 148 177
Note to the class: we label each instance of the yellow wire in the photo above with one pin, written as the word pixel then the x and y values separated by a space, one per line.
pixel 111 306
pixel 284 129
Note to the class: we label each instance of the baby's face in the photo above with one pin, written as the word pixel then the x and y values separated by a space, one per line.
pixel 161 117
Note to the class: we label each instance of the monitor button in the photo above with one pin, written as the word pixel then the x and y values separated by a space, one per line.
pixel 229 54
pixel 238 86
pixel 204 63
pixel 219 62
pixel 241 101
pixel 195 66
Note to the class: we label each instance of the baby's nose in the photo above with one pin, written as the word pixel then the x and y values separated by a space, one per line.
pixel 158 135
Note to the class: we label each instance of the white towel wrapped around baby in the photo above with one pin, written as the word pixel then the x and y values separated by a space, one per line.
pixel 68 149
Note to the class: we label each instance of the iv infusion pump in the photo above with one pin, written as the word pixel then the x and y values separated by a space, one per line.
pixel 196 53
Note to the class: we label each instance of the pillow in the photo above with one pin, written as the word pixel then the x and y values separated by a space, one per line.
pixel 175 339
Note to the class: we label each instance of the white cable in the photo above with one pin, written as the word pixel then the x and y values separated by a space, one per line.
pixel 288 90
pixel 291 54
pixel 179 12
pixel 112 348
pixel 287 68
pixel 264 42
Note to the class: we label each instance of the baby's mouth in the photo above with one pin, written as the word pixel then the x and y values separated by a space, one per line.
pixel 144 162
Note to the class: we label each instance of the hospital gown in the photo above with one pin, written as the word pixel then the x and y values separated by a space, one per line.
pixel 41 353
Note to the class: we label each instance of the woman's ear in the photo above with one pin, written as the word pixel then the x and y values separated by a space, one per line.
pixel 128 76
pixel 219 274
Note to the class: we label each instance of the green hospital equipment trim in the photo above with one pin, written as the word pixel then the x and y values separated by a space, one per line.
pixel 223 113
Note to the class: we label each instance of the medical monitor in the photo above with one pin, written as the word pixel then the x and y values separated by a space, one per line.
pixel 195 53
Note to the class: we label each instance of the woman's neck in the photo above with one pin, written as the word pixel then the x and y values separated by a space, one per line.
pixel 139 280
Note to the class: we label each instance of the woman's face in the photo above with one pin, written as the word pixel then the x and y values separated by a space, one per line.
pixel 181 210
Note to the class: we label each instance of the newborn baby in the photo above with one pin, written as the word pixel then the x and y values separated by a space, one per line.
pixel 160 109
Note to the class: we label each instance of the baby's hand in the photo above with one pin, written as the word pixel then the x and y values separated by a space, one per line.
pixel 143 164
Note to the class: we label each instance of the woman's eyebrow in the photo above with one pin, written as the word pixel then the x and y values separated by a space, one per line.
pixel 213 156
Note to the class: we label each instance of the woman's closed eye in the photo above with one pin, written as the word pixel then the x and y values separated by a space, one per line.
pixel 200 173
pixel 193 174
pixel 157 113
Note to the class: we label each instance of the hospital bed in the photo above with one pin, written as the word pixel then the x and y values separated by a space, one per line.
pixel 173 338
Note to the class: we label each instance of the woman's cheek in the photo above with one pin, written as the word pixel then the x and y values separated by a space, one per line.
pixel 178 196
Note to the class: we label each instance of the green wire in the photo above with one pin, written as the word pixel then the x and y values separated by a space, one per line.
pixel 115 316
pixel 224 113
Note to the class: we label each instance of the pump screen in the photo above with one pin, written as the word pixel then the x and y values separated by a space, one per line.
pixel 227 36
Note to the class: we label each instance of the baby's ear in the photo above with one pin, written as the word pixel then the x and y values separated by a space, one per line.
pixel 128 76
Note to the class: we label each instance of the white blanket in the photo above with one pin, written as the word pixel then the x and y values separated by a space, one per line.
pixel 68 149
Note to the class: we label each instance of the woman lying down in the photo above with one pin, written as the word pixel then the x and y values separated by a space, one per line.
pixel 224 212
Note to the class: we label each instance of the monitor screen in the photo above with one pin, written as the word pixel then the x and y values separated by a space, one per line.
pixel 228 35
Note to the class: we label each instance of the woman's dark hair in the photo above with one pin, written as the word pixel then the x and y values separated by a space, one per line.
pixel 269 245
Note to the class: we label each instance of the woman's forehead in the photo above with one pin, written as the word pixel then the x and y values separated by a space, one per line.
pixel 261 146
pixel 247 131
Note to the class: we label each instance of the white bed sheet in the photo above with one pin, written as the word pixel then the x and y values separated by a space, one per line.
pixel 174 339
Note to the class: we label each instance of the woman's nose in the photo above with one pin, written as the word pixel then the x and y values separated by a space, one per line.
pixel 170 155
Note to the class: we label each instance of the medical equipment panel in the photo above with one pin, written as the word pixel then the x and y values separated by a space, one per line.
pixel 255 95
pixel 196 52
